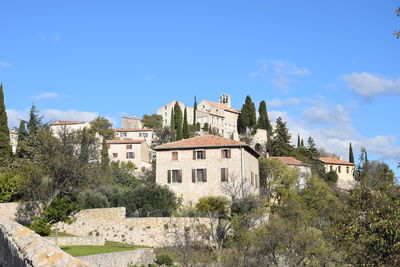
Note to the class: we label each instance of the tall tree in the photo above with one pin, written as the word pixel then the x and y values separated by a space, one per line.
pixel 35 121
pixel 153 121
pixel 194 111
pixel 172 126
pixel 362 168
pixel 263 120
pixel 22 133
pixel 312 148
pixel 298 141
pixel 103 126
pixel 281 142
pixel 5 146
pixel 178 118
pixel 302 143
pixel 247 120
pixel 351 155
pixel 105 160
pixel 185 126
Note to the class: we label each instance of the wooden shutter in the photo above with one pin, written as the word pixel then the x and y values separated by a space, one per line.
pixel 194 154
pixel 180 176
pixel 222 174
pixel 229 153
pixel 205 175
pixel 169 176
pixel 226 174
pixel 193 175
pixel 204 154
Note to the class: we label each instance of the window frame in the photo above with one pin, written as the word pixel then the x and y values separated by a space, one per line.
pixel 224 174
pixel 172 155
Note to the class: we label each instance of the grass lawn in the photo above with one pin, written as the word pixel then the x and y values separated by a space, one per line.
pixel 109 247
pixel 60 234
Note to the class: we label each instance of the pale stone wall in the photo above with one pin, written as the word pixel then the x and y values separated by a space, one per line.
pixel 141 153
pixel 22 212
pixel 14 141
pixel 56 129
pixel 240 161
pixel 21 247
pixel 136 135
pixel 345 175
pixel 165 112
pixel 140 256
pixel 111 224
pixel 131 123
pixel 76 240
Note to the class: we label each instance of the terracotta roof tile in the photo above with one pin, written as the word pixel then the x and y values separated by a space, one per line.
pixel 67 122
pixel 125 141
pixel 132 118
pixel 201 141
pixel 222 106
pixel 133 130
pixel 291 161
pixel 335 161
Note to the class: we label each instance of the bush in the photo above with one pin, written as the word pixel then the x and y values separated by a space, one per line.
pixel 331 177
pixel 164 260
pixel 41 226
pixel 91 199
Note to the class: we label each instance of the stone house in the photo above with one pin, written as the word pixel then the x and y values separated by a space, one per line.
pixel 146 134
pixel 205 165
pixel 128 150
pixel 344 169
pixel 305 169
pixel 165 112
pixel 131 123
pixel 14 141
pixel 70 126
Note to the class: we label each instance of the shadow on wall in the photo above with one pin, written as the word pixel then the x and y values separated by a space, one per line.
pixel 27 210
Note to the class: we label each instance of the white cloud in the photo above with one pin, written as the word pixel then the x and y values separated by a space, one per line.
pixel 73 115
pixel 282 102
pixel 48 37
pixel 47 95
pixel 321 114
pixel 368 85
pixel 150 77
pixel 4 64
pixel 281 71
pixel 14 117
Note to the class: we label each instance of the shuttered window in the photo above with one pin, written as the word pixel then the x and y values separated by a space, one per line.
pixel 174 155
pixel 199 154
pixel 199 175
pixel 225 153
pixel 224 174
pixel 174 176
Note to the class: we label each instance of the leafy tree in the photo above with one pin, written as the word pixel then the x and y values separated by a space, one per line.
pixel 198 126
pixel 102 126
pixel 331 177
pixel 9 186
pixel 194 112
pixel 206 127
pixel 247 120
pixel 105 160
pixel 217 206
pixel 35 121
pixel 280 144
pixel 172 126
pixel 185 126
pixel 351 155
pixel 379 175
pixel 5 147
pixel 163 135
pixel 362 168
pixel 22 133
pixel 153 121
pixel 178 118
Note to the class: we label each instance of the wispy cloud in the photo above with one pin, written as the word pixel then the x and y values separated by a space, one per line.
pixel 71 114
pixel 280 70
pixel 49 37
pixel 4 64
pixel 46 95
pixel 150 77
pixel 368 85
pixel 14 117
pixel 276 102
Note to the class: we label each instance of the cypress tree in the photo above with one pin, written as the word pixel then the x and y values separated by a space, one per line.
pixel 302 143
pixel 247 119
pixel 194 111
pixel 22 133
pixel 281 142
pixel 298 141
pixel 172 126
pixel 185 126
pixel 35 121
pixel 262 116
pixel 105 160
pixel 178 121
pixel 5 146
pixel 351 155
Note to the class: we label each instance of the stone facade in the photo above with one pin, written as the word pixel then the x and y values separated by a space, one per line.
pixel 142 256
pixel 76 240
pixel 21 247
pixel 135 134
pixel 14 141
pixel 178 167
pixel 112 224
pixel 344 169
pixel 131 123
pixel 70 126
pixel 165 112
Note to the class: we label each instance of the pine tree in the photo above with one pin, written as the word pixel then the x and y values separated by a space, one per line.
pixel 178 121
pixel 22 133
pixel 312 148
pixel 5 146
pixel 194 111
pixel 185 126
pixel 298 141
pixel 281 142
pixel 35 121
pixel 351 155
pixel 172 126
pixel 105 160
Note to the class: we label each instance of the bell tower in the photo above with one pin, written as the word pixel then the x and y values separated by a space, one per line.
pixel 225 99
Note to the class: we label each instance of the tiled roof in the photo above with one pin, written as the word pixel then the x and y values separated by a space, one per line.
pixel 131 118
pixel 67 122
pixel 222 106
pixel 125 141
pixel 201 141
pixel 133 130
pixel 335 161
pixel 291 161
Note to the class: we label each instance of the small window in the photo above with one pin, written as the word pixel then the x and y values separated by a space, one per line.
pixel 123 134
pixel 339 169
pixel 347 169
pixel 252 178
pixel 115 155
pixel 130 155
pixel 177 176
pixel 331 168
pixel 199 154
pixel 201 175
pixel 174 155
pixel 225 153
pixel 128 146
pixel 224 174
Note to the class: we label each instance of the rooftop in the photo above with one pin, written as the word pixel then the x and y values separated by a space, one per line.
pixel 133 117
pixel 335 161
pixel 125 141
pixel 201 141
pixel 222 106
pixel 67 122
pixel 291 161
pixel 133 130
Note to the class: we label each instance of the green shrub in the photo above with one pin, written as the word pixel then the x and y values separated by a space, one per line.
pixel 164 260
pixel 41 226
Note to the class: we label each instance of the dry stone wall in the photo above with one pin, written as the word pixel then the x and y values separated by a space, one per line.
pixel 112 224
pixel 21 247
pixel 140 256
pixel 21 212
pixel 76 240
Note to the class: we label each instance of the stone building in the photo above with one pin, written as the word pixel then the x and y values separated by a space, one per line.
pixel 165 112
pixel 205 165
pixel 146 134
pixel 128 150
pixel 344 169
pixel 131 123
pixel 14 141
pixel 305 169
pixel 70 126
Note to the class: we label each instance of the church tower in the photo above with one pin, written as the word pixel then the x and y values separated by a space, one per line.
pixel 225 99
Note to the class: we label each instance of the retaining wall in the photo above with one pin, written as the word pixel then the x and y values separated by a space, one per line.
pixel 140 256
pixel 76 240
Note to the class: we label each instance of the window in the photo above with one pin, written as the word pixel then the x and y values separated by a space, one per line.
pixel 252 178
pixel 128 146
pixel 224 174
pixel 339 169
pixel 226 153
pixel 143 135
pixel 174 176
pixel 115 155
pixel 257 181
pixel 123 134
pixel 347 169
pixel 130 155
pixel 199 154
pixel 174 155
pixel 331 168
pixel 199 175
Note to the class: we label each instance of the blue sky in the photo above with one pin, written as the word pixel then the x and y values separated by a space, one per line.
pixel 327 67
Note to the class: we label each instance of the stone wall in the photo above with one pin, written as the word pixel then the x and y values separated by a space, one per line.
pixel 140 256
pixel 21 247
pixel 76 240
pixel 112 224
pixel 21 212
